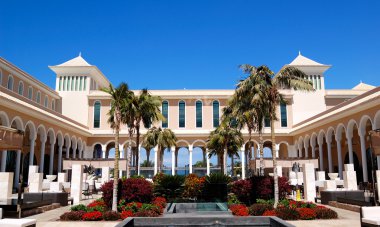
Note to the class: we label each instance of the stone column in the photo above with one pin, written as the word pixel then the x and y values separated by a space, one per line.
pixel 17 171
pixel 364 158
pixel 242 163
pixel 350 150
pixel 207 163
pixel 76 183
pixel 104 147
pixel 105 174
pixel 51 158
pixel 155 160
pixel 190 159
pixel 60 158
pixel 321 166
pixel 3 160
pixel 42 157
pixel 340 161
pixel 31 154
pixel 309 182
pixel 67 146
pixel 329 156
pixel 313 151
pixel 172 150
pixel 378 163
pixel 6 180
pixel 306 146
pixel 138 164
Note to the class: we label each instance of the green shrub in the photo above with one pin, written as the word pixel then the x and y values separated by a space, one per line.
pixel 218 178
pixel 168 186
pixel 325 213
pixel 72 215
pixel 79 207
pixel 232 199
pixel 111 216
pixel 287 213
pixel 258 209
pixel 265 201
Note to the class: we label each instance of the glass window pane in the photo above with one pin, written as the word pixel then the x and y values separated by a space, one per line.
pixel 215 113
pixel 10 83
pixel 30 93
pixel 97 114
pixel 198 112
pixel 181 114
pixel 38 98
pixel 267 122
pixel 284 117
pixel 165 111
pixel 84 83
pixel 21 88
pixel 80 83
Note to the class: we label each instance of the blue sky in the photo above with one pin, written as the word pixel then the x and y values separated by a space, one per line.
pixel 194 44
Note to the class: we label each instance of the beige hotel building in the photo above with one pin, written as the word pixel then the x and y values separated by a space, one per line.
pixel 327 127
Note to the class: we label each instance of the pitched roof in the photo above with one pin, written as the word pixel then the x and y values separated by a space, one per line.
pixel 301 60
pixel 78 61
pixel 363 86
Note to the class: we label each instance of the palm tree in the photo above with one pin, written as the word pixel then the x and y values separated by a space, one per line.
pixel 246 114
pixel 147 111
pixel 224 138
pixel 160 138
pixel 129 114
pixel 116 118
pixel 262 87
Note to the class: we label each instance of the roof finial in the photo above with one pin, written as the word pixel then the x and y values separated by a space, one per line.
pixel 299 52
pixel 80 54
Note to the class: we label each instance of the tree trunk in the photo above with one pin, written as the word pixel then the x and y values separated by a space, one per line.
pixel 261 147
pixel 147 154
pixel 232 166
pixel 221 159
pixel 138 151
pixel 129 156
pixel 116 164
pixel 274 157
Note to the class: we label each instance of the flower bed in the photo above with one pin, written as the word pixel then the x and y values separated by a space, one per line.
pixel 98 210
pixel 286 210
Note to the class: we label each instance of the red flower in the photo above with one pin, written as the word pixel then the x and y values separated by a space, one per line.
pixel 92 216
pixel 307 213
pixel 239 210
pixel 269 213
pixel 126 214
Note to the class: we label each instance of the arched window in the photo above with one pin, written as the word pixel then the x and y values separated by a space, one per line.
pixel 46 101
pixel 21 88
pixel 38 97
pixel 30 92
pixel 10 83
pixel 165 113
pixel 53 104
pixel 181 115
pixel 97 106
pixel 198 114
pixel 215 113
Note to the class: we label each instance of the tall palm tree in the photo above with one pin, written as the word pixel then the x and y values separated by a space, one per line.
pixel 160 138
pixel 262 86
pixel 129 114
pixel 246 114
pixel 116 119
pixel 147 111
pixel 224 138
